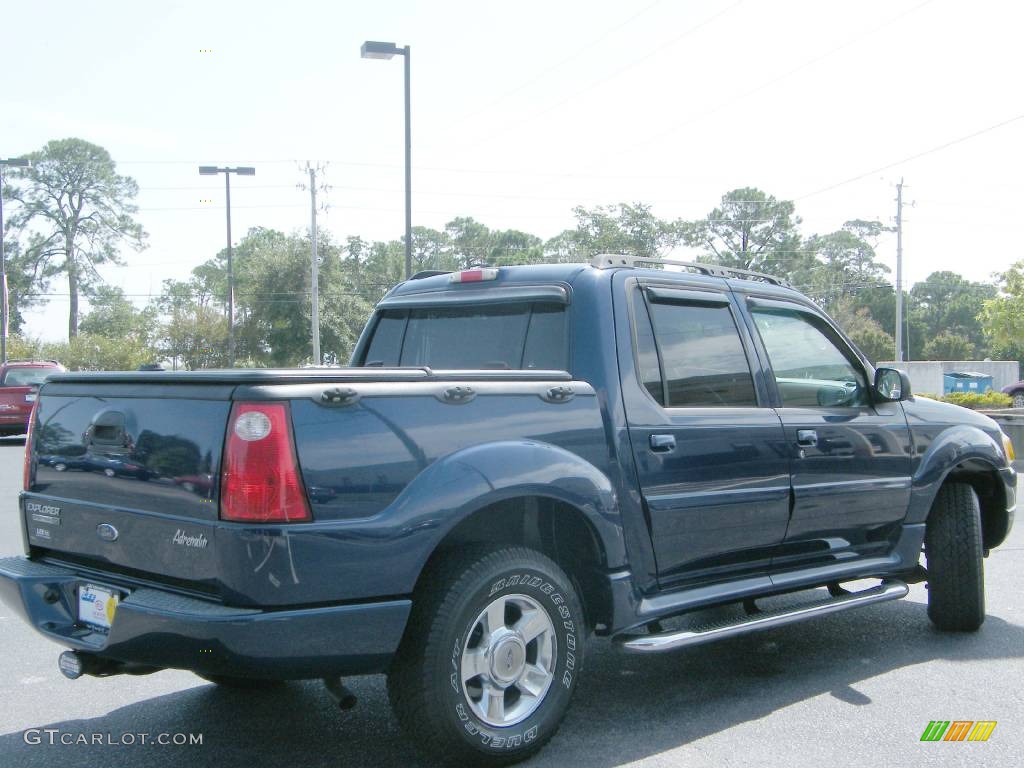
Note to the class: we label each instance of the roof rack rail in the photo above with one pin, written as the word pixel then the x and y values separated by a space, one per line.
pixel 32 360
pixel 610 261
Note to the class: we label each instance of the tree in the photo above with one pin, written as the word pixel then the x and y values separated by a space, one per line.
pixel 511 246
pixel 1002 317
pixel 82 209
pixel 272 279
pixel 194 333
pixel 98 353
pixel 24 284
pixel 864 331
pixel 356 250
pixel 837 266
pixel 945 302
pixel 948 346
pixel 469 241
pixel 429 249
pixel 111 314
pixel 626 229
pixel 749 230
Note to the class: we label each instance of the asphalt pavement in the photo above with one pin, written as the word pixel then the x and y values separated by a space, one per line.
pixel 853 689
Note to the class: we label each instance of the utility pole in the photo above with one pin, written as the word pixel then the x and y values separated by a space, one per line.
pixel 314 269
pixel 899 271
pixel 315 282
pixel 4 308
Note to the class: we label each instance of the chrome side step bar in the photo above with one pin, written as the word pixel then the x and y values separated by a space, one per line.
pixel 890 589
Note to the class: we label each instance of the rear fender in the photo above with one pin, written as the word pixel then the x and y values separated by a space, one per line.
pixel 459 485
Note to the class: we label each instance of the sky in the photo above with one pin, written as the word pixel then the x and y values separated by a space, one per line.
pixel 521 111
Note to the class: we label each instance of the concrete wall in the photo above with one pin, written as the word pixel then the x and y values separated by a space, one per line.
pixel 926 376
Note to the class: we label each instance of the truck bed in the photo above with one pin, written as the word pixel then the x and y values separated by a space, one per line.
pixel 138 456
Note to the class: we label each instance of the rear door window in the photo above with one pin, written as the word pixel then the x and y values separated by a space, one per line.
pixel 699 355
pixel 497 337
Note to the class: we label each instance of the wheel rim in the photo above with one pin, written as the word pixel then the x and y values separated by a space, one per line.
pixel 508 660
pixel 1018 400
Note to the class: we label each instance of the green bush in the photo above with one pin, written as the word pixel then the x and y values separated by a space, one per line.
pixel 973 400
pixel 84 353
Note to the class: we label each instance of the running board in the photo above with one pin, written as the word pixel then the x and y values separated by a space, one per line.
pixel 667 641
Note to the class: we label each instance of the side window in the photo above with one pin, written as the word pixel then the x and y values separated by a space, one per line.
pixel 810 369
pixel 647 353
pixel 702 357
pixel 546 339
pixel 386 344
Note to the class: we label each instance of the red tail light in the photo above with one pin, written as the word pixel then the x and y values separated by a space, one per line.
pixel 27 471
pixel 260 480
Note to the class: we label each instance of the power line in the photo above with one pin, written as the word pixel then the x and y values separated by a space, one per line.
pixel 548 70
pixel 768 83
pixel 913 157
pixel 594 84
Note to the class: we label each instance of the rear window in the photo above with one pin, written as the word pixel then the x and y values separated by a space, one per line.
pixel 498 337
pixel 26 377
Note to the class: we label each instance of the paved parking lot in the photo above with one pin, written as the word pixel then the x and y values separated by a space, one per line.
pixel 855 689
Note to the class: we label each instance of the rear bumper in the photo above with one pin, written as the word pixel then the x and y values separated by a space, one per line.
pixel 13 422
pixel 163 629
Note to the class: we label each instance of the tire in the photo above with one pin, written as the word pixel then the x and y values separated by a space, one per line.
pixel 510 709
pixel 241 683
pixel 952 545
pixel 1018 399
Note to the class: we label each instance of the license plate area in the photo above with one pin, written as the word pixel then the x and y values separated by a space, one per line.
pixel 97 605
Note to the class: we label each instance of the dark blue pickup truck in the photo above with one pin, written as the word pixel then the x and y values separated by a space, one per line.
pixel 517 458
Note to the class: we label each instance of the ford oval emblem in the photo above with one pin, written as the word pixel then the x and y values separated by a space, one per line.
pixel 106 531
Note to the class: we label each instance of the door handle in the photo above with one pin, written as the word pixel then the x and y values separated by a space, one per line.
pixel 663 443
pixel 806 437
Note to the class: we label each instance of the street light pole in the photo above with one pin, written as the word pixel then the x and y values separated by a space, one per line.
pixel 314 282
pixel 408 168
pixel 899 272
pixel 373 49
pixel 17 162
pixel 212 170
pixel 231 276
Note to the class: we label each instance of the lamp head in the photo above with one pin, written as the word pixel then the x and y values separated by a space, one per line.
pixel 373 49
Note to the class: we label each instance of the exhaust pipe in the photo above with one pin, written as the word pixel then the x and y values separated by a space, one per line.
pixel 342 696
pixel 74 664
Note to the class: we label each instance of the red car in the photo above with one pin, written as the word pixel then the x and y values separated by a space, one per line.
pixel 19 382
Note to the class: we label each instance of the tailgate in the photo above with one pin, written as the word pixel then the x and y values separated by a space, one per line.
pixel 134 464
pixel 16 401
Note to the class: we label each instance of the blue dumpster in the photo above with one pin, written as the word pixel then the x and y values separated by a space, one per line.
pixel 966 381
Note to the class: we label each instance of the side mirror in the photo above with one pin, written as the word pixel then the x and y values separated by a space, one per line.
pixel 892 385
